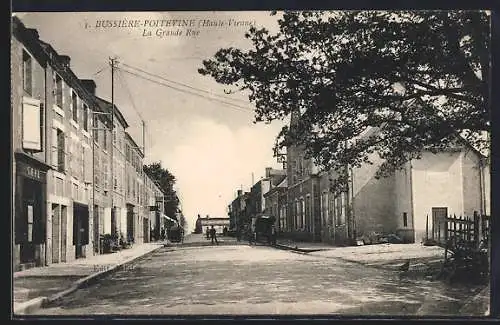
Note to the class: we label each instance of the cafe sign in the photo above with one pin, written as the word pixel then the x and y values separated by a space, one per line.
pixel 32 172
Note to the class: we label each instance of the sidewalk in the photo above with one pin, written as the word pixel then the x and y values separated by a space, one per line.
pixel 379 255
pixel 34 287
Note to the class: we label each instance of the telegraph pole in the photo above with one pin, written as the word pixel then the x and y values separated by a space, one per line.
pixel 112 162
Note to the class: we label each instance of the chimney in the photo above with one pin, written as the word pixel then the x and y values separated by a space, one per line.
pixel 89 84
pixel 268 171
pixel 65 60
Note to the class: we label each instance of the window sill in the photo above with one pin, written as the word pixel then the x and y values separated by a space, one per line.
pixel 59 174
pixel 75 125
pixel 58 110
pixel 86 134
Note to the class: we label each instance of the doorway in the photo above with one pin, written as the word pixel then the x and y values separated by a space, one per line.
pixel 55 232
pixel 80 229
pixel 439 215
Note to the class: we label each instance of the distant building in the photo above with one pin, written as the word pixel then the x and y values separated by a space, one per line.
pixel 218 223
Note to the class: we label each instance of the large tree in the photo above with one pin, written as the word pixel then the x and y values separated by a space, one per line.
pixel 165 181
pixel 421 78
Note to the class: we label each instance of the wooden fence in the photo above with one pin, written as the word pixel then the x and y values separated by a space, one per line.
pixel 465 228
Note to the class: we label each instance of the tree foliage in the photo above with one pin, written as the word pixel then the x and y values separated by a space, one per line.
pixel 419 78
pixel 183 222
pixel 165 181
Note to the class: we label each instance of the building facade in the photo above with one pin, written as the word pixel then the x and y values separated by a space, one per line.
pixel 66 194
pixel 30 159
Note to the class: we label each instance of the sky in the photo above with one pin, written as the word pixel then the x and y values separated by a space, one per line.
pixel 211 148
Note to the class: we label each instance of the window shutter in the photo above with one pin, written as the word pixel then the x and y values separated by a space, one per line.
pixel 53 149
pixel 67 153
pixel 32 139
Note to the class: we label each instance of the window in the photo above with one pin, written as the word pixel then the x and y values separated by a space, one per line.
pixel 27 73
pixel 338 210
pixel 30 222
pixel 60 151
pixel 82 157
pixel 405 219
pixel 307 214
pixel 96 129
pixel 324 209
pixel 85 117
pixel 105 139
pixel 74 106
pixel 59 91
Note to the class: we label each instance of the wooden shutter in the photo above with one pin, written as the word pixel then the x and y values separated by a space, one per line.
pixel 32 139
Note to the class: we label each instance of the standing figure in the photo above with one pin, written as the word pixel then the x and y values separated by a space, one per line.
pixel 273 235
pixel 213 235
pixel 208 233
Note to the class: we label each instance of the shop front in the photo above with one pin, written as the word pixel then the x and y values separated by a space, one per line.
pixel 30 211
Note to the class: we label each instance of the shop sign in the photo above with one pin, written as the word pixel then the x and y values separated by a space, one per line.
pixel 32 172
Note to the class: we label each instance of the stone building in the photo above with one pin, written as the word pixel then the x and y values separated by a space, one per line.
pixel 134 178
pixel 66 194
pixel 30 161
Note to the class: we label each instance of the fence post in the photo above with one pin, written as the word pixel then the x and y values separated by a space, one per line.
pixel 468 228
pixel 455 228
pixel 477 232
pixel 427 228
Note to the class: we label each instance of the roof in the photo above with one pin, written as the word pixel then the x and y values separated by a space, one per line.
pixel 136 147
pixel 105 105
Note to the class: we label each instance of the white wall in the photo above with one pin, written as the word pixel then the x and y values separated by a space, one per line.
pixel 487 189
pixel 437 182
pixel 402 202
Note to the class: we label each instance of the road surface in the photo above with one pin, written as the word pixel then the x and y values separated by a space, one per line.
pixel 249 280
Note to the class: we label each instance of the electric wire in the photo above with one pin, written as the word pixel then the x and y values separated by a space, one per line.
pixel 182 84
pixel 231 105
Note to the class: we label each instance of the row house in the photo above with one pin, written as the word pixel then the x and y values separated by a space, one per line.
pixel 276 204
pixel 237 210
pixel 30 161
pixel 255 202
pixel 152 211
pixel 72 170
pixel 134 175
pixel 114 221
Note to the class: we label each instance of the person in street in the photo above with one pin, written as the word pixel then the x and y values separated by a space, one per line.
pixel 213 235
pixel 273 235
pixel 208 233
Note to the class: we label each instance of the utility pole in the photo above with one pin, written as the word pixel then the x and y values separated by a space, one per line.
pixel 112 190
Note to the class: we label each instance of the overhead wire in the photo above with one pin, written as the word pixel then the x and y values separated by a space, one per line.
pixel 183 84
pixel 231 105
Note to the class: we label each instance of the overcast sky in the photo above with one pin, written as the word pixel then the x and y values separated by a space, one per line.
pixel 210 147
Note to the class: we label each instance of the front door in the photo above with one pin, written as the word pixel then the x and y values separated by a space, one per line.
pixel 27 253
pixel 439 215
pixel 145 225
pixel 55 232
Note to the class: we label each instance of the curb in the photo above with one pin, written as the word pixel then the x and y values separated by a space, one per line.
pixel 299 250
pixel 42 302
